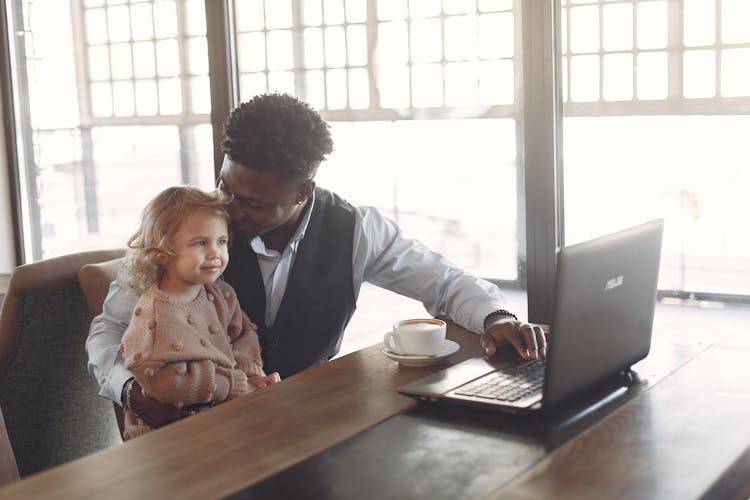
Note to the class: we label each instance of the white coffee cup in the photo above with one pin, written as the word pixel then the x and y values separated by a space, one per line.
pixel 416 337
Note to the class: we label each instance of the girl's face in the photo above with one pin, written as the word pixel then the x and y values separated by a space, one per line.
pixel 200 252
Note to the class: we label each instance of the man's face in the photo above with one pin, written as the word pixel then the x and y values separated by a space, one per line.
pixel 263 200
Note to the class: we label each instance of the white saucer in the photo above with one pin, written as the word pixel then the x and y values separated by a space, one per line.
pixel 449 347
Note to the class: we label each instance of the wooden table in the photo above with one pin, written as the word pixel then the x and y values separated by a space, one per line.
pixel 662 439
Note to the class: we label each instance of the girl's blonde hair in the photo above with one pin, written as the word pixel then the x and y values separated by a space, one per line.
pixel 150 246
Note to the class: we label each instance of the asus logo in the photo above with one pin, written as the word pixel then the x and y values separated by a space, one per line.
pixel 614 283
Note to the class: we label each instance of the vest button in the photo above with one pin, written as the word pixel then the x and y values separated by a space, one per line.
pixel 272 342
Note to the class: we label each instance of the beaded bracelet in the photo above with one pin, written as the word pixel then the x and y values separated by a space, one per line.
pixel 499 312
pixel 128 390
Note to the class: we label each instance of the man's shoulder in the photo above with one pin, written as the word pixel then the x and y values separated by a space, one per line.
pixel 325 198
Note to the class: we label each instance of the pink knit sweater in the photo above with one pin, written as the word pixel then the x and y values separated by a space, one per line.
pixel 190 353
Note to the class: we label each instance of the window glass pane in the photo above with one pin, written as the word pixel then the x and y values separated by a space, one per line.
pixel 652 25
pixel 652 75
pixel 699 22
pixel 496 35
pixel 251 49
pixel 426 39
pixel 458 6
pixel 312 13
pixel 278 14
pixel 393 86
pixel 122 61
pixel 315 89
pixel 333 11
pixel 118 23
pixel 356 45
pixel 167 58
pixel 280 55
pixel 146 98
pixel 584 78
pixel 195 11
pixel 392 43
pixel 359 89
pixel 281 82
pixel 252 84
pixel 356 11
pixel 197 56
pixel 250 15
pixel 389 10
pixel 425 8
pixel 98 62
pixel 461 38
pixel 200 94
pixel 165 19
pixel 144 60
pixel 170 96
pixel 314 54
pixel 735 78
pixel 461 84
pixel 617 77
pixel 584 29
pixel 141 21
pixel 496 82
pixel 618 27
pixel 101 99
pixel 336 95
pixel 96 26
pixel 427 86
pixel 699 68
pixel 735 19
pixel 335 45
pixel 492 5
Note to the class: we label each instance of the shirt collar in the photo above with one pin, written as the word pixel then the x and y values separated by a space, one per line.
pixel 259 246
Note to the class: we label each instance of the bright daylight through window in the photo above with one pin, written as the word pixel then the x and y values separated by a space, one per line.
pixel 425 103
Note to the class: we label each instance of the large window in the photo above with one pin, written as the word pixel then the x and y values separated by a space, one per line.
pixel 115 96
pixel 423 105
pixel 430 103
pixel 656 98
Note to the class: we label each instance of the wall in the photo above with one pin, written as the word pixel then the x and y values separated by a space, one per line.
pixel 7 253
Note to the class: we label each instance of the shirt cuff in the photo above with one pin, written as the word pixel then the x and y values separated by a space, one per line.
pixel 113 388
pixel 477 319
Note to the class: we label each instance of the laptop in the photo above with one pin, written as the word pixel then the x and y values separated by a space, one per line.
pixel 605 296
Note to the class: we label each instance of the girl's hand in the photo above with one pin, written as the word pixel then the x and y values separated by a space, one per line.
pixel 259 381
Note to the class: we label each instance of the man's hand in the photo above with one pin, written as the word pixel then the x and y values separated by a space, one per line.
pixel 154 413
pixel 259 381
pixel 528 339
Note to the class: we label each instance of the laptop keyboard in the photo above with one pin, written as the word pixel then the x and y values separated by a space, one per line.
pixel 509 384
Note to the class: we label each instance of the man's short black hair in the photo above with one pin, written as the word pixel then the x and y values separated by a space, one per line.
pixel 277 132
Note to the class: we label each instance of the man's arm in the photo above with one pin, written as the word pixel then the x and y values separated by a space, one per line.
pixel 103 343
pixel 383 257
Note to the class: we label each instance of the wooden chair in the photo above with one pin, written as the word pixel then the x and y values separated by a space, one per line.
pixel 50 402
pixel 95 279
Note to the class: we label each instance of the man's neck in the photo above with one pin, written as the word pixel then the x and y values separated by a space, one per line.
pixel 278 239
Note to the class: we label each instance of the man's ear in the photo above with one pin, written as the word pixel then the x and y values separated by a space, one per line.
pixel 306 190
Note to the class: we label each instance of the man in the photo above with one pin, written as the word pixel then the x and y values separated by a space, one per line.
pixel 299 256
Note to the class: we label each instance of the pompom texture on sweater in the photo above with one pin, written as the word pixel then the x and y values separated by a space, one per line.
pixel 191 353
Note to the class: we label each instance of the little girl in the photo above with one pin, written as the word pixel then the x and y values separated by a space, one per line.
pixel 188 341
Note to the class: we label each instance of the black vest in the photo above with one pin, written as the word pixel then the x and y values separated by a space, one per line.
pixel 319 298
